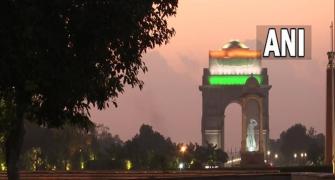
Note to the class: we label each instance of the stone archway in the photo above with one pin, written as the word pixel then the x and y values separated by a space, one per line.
pixel 235 75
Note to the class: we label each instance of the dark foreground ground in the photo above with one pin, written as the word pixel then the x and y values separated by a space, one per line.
pixel 196 175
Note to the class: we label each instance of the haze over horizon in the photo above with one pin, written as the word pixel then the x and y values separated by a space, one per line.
pixel 171 101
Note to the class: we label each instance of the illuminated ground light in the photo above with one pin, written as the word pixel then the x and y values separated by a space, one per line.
pixel 181 166
pixel 128 164
pixel 233 160
pixel 68 166
pixel 3 167
pixel 82 165
pixel 232 79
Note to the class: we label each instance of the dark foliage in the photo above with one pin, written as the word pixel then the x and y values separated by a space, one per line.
pixel 59 57
pixel 150 150
pixel 71 148
pixel 298 140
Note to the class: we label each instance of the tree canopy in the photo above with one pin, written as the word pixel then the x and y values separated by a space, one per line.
pixel 58 58
pixel 298 140
pixel 63 56
pixel 150 150
pixel 72 148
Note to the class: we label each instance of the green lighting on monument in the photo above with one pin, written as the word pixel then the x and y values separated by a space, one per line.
pixel 232 79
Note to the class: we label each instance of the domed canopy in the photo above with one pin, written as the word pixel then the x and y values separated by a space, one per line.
pixel 235 44
pixel 252 82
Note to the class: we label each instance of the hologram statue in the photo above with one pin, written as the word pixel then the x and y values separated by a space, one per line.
pixel 251 141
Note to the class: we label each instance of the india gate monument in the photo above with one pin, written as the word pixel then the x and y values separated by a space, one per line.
pixel 235 75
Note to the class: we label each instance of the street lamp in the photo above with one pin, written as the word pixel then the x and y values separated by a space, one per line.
pixel 295 155
pixel 181 166
pixel 268 153
pixel 183 149
pixel 276 156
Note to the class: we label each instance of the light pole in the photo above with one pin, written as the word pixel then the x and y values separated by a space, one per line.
pixel 182 150
pixel 268 153
pixel 332 96
pixel 295 155
pixel 331 57
pixel 302 158
pixel 276 157
pixel 305 158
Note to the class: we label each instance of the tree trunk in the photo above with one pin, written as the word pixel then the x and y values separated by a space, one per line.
pixel 13 144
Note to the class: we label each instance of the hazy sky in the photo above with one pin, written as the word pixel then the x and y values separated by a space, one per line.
pixel 171 100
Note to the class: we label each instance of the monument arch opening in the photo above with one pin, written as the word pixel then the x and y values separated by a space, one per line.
pixel 233 129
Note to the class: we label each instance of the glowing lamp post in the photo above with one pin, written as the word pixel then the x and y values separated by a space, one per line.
pixel 268 153
pixel 303 156
pixel 183 149
pixel 181 166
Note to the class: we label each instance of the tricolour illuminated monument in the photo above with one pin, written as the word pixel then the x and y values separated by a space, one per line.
pixel 235 75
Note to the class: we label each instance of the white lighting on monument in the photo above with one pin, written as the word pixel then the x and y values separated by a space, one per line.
pixel 220 69
pixel 234 58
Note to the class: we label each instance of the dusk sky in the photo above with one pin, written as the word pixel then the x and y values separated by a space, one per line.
pixel 171 101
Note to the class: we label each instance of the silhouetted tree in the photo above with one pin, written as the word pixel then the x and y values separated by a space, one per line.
pixel 296 140
pixel 57 147
pixel 150 150
pixel 47 149
pixel 293 140
pixel 72 148
pixel 208 155
pixel 60 57
pixel 316 147
pixel 108 150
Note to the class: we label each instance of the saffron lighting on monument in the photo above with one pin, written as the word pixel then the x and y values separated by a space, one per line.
pixel 234 64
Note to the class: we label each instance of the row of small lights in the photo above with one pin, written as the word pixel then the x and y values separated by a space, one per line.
pixel 128 162
pixel 184 148
pixel 269 153
pixel 181 165
pixel 295 155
